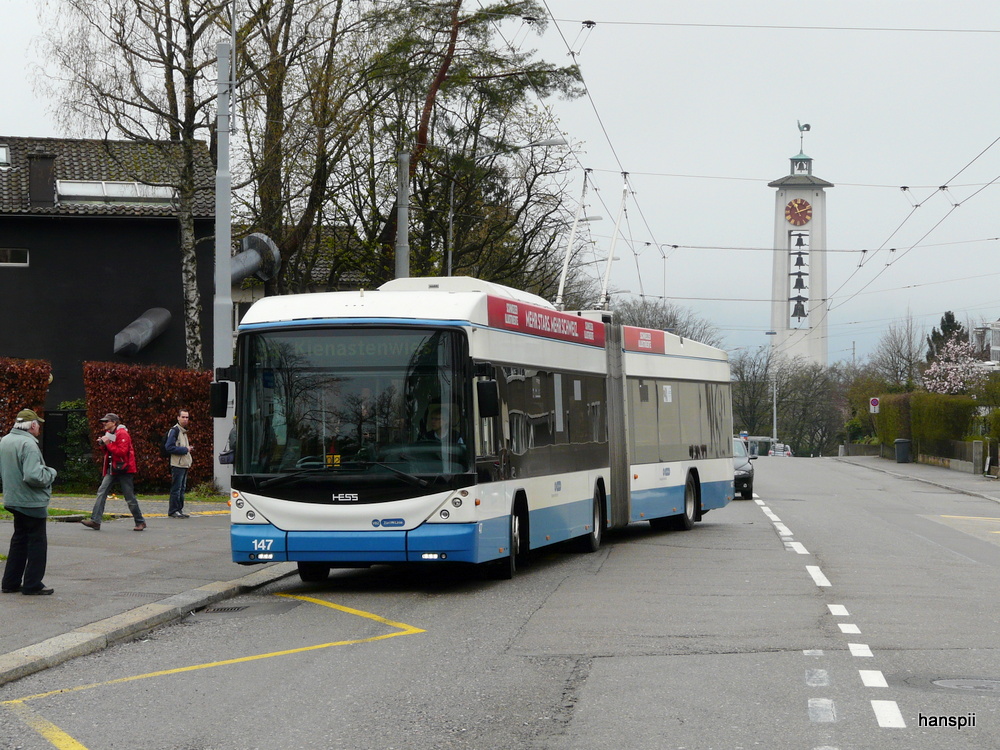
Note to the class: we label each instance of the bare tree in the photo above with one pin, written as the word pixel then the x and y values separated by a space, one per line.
pixel 667 316
pixel 753 384
pixel 899 353
pixel 143 70
pixel 809 407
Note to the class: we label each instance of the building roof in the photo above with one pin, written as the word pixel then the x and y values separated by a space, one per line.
pixel 799 180
pixel 95 161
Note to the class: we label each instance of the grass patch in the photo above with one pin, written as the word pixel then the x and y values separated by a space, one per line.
pixel 6 515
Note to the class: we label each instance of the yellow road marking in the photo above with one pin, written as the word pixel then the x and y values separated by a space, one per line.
pixel 63 741
pixel 57 737
pixel 407 629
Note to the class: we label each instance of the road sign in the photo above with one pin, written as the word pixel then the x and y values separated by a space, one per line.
pixel 873 405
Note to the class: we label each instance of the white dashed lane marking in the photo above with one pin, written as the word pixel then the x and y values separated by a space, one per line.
pixel 888 715
pixel 823 710
pixel 817 575
pixel 872 678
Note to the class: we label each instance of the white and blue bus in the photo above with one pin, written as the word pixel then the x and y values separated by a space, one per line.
pixel 451 419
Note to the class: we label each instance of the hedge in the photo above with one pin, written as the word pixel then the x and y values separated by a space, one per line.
pixel 893 419
pixel 930 420
pixel 24 384
pixel 146 399
pixel 937 418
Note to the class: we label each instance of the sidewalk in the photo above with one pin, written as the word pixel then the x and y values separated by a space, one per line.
pixel 115 584
pixel 957 481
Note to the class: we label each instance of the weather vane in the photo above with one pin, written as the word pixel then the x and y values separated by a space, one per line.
pixel 803 129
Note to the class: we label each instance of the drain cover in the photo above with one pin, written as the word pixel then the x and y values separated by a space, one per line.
pixel 982 685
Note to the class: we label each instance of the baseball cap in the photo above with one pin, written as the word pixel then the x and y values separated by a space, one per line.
pixel 109 417
pixel 27 415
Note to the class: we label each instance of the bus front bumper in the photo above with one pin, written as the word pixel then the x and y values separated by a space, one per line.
pixel 264 543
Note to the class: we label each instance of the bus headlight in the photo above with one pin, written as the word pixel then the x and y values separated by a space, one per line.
pixel 457 502
pixel 445 513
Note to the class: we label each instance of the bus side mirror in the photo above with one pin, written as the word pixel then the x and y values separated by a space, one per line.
pixel 488 395
pixel 218 398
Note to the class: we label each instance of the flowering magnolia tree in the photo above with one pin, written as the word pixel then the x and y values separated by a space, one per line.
pixel 956 369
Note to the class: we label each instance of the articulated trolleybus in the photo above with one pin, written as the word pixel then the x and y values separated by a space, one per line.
pixel 456 420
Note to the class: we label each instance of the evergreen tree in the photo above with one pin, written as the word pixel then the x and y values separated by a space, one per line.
pixel 951 329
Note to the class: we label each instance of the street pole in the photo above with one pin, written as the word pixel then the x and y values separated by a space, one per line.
pixel 403 216
pixel 774 404
pixel 222 306
pixel 451 224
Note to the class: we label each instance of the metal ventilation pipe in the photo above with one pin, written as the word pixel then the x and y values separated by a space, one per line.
pixel 258 256
pixel 138 334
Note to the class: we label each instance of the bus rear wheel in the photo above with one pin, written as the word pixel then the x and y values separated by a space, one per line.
pixel 313 572
pixel 591 542
pixel 683 521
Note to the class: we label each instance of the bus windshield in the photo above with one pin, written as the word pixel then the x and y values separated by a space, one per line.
pixel 359 400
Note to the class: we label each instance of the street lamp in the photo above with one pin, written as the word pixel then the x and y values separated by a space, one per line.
pixel 559 141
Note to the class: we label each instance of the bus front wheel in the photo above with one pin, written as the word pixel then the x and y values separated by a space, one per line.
pixel 505 568
pixel 313 572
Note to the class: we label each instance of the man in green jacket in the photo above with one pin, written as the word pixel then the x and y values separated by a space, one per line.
pixel 27 489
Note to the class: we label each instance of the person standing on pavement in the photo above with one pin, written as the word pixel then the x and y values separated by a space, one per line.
pixel 27 489
pixel 179 449
pixel 118 466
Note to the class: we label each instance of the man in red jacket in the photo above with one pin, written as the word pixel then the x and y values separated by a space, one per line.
pixel 118 466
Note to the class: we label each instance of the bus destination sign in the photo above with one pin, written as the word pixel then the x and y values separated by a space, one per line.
pixel 524 318
pixel 644 340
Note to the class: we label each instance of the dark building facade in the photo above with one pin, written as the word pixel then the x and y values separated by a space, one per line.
pixel 89 241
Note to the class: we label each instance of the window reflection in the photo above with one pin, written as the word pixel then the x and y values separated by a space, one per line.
pixel 354 400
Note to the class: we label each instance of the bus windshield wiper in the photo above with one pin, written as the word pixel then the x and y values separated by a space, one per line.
pixel 282 478
pixel 406 476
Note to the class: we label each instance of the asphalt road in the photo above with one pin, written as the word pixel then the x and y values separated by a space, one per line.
pixel 833 612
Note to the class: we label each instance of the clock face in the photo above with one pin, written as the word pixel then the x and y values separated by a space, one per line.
pixel 798 212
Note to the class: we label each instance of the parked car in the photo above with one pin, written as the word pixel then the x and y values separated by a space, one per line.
pixel 742 469
pixel 780 449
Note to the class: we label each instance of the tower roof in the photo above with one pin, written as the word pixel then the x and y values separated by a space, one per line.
pixel 800 180
pixel 800 173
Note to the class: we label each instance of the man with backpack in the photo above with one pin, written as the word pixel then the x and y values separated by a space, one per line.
pixel 179 449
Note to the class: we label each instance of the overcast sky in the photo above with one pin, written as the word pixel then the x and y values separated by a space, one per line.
pixel 698 100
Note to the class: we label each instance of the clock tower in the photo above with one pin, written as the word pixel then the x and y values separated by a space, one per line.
pixel 798 283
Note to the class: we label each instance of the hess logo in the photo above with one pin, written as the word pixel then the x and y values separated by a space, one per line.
pixel 345 497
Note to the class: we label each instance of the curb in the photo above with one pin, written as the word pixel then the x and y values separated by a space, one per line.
pixel 127 625
pixel 941 485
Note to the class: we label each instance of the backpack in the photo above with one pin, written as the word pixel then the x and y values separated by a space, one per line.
pixel 164 453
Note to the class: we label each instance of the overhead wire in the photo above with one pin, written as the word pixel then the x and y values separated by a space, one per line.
pixel 574 51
